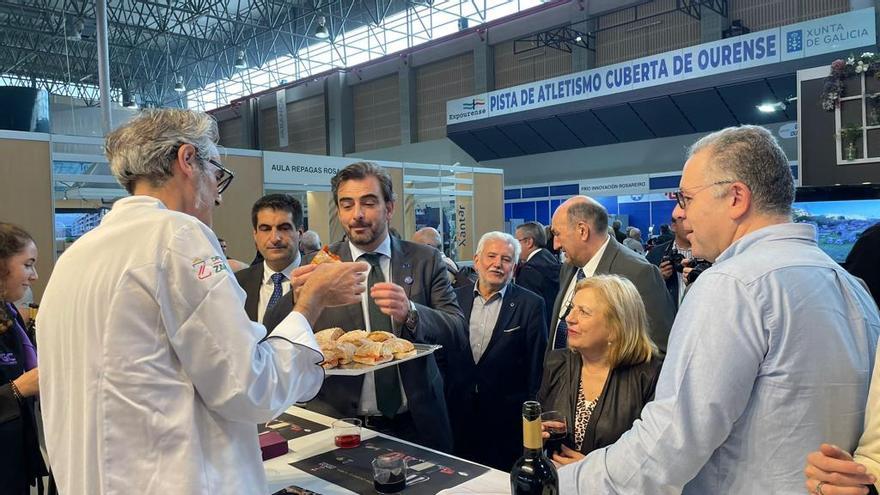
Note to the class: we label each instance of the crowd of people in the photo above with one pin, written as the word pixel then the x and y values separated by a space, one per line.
pixel 148 334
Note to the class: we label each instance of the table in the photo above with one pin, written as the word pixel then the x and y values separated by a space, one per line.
pixel 280 473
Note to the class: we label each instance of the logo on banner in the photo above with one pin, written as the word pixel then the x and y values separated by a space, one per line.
pixel 794 41
pixel 476 102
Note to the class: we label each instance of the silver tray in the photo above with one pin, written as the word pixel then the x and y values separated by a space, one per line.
pixel 422 350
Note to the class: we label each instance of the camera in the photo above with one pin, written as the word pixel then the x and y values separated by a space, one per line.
pixel 675 258
pixel 700 265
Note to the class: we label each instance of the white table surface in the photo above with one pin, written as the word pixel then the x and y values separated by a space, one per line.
pixel 280 473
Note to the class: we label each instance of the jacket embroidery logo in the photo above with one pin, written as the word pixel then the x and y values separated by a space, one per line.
pixel 7 359
pixel 204 268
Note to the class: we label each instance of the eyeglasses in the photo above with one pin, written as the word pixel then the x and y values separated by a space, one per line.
pixel 522 239
pixel 224 176
pixel 684 200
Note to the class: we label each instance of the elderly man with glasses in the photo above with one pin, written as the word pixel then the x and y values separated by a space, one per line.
pixel 152 376
pixel 771 351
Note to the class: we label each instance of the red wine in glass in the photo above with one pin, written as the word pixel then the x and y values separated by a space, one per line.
pixel 348 441
pixel 394 483
pixel 553 444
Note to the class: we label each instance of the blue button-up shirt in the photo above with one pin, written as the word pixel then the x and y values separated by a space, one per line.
pixel 770 355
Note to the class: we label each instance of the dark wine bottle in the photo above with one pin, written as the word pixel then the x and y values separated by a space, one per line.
pixel 533 473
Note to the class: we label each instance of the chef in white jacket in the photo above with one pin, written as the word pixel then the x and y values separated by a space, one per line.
pixel 152 377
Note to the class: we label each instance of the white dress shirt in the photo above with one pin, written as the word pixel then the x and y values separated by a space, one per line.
pixel 368 404
pixel 589 270
pixel 268 287
pixel 153 378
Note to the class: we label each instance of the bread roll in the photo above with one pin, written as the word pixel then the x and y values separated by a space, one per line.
pixel 331 357
pixel 400 348
pixel 353 336
pixel 372 354
pixel 380 336
pixel 346 351
pixel 328 336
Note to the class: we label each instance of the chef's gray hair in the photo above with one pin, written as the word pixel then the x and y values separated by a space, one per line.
pixel 146 147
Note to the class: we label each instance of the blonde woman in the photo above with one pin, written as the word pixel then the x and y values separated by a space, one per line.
pixel 609 371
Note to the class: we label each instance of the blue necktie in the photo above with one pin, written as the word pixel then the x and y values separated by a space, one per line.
pixel 277 278
pixel 561 340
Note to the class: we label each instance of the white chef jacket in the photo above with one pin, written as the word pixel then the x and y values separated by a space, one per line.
pixel 152 377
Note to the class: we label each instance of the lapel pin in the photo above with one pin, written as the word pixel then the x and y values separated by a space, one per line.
pixel 408 280
pixel 512 304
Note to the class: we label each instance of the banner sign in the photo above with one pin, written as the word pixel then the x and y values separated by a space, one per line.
pixel 297 168
pixel 805 39
pixel 281 115
pixel 615 186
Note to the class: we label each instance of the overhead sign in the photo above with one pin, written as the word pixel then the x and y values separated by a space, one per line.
pixel 300 169
pixel 310 170
pixel 615 186
pixel 805 39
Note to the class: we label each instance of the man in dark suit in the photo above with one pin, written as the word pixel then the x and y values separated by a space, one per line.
pixel 416 303
pixel 497 362
pixel 580 227
pixel 538 270
pixel 659 256
pixel 277 219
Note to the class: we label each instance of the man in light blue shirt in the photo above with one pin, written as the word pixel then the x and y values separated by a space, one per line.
pixel 771 352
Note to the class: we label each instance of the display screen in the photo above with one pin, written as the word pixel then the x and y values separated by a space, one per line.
pixel 838 223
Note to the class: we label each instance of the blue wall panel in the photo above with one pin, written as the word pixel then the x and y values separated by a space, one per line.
pixel 639 216
pixel 542 212
pixel 535 192
pixel 661 212
pixel 565 190
pixel 524 210
pixel 512 193
pixel 609 202
pixel 508 211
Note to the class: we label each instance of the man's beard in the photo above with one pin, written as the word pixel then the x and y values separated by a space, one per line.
pixel 374 231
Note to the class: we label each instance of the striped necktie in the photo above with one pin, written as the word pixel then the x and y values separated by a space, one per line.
pixel 561 340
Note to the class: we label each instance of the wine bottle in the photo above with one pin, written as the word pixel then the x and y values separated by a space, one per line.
pixel 533 473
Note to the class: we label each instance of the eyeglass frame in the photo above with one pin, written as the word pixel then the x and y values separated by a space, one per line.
pixel 683 200
pixel 225 179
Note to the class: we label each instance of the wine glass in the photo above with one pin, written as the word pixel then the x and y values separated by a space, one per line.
pixel 556 424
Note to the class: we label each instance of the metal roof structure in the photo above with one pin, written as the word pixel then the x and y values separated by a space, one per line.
pixel 164 52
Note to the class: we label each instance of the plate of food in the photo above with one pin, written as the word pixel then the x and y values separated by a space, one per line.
pixel 358 352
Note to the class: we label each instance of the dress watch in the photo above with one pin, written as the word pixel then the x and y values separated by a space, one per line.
pixel 412 317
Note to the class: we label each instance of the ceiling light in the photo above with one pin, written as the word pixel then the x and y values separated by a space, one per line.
pixel 321 30
pixel 240 62
pixel 578 39
pixel 178 85
pixel 771 107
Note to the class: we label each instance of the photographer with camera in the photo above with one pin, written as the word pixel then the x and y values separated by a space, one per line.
pixel 677 265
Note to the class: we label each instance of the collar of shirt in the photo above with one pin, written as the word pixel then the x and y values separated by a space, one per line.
pixel 590 268
pixel 384 248
pixel 268 272
pixel 500 293
pixel 532 254
pixel 803 232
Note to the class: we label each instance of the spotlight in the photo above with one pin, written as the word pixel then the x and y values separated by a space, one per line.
pixel 321 30
pixel 240 62
pixel 178 85
pixel 771 107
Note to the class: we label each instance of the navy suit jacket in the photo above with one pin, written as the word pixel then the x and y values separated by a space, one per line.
pixel 485 398
pixel 422 274
pixel 541 276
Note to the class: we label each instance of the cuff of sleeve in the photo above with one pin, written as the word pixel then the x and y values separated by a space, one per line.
pixel 296 329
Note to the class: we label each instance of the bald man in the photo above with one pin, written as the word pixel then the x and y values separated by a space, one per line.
pixel 429 236
pixel 580 228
